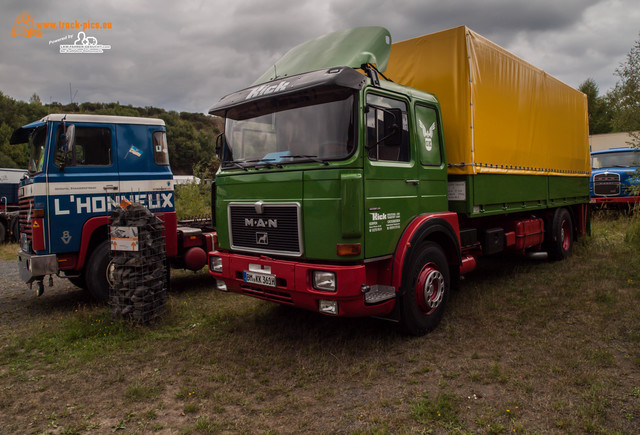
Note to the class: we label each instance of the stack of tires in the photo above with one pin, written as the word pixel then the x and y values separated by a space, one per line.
pixel 138 290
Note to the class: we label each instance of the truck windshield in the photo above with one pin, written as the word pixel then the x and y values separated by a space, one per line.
pixel 617 159
pixel 312 126
pixel 37 150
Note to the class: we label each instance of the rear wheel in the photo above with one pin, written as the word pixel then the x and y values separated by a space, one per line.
pixel 426 285
pixel 560 237
pixel 97 272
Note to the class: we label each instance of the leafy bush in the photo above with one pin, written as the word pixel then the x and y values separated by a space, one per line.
pixel 193 200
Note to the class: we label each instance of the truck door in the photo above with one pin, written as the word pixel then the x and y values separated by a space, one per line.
pixel 432 168
pixel 391 176
pixel 82 185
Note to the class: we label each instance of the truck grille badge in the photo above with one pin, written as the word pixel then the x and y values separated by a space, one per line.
pixel 262 238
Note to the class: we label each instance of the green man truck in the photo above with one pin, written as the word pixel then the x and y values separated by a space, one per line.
pixel 364 178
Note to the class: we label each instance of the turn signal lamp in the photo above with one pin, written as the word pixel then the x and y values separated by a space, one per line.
pixel 347 249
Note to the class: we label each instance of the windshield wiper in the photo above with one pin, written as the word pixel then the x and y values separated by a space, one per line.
pixel 235 163
pixel 305 156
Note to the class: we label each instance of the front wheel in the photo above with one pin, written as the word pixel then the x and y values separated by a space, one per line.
pixel 97 272
pixel 425 291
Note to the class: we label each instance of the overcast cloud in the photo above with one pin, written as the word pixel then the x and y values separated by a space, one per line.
pixel 185 55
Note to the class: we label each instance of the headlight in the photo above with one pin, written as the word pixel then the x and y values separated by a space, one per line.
pixel 325 281
pixel 328 307
pixel 215 264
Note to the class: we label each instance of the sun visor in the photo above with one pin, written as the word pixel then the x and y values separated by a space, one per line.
pixel 343 77
pixel 352 47
pixel 21 135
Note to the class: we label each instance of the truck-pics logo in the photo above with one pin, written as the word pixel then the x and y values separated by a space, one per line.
pixel 25 26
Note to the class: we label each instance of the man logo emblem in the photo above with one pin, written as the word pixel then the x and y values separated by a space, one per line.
pixel 262 238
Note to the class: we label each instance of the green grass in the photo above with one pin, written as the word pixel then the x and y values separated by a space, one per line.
pixel 8 251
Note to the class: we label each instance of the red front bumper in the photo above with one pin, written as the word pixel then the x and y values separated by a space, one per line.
pixel 615 199
pixel 294 284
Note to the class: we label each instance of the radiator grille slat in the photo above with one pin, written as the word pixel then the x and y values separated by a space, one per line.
pixel 276 230
pixel 606 184
pixel 26 208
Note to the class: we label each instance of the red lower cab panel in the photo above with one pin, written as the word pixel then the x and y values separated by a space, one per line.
pixel 291 283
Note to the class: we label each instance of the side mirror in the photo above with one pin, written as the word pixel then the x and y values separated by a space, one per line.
pixel 67 141
pixel 393 127
pixel 70 139
pixel 222 148
pixel 219 140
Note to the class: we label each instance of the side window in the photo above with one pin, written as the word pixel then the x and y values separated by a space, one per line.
pixel 92 147
pixel 387 129
pixel 160 148
pixel 428 136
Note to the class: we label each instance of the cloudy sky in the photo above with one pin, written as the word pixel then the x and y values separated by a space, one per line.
pixel 185 55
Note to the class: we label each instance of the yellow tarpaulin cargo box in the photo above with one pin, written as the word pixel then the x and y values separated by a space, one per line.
pixel 501 115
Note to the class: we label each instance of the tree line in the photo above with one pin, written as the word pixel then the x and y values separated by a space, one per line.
pixel 191 136
pixel 619 109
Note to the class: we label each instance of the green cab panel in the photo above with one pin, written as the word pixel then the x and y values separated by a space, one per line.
pixel 332 212
pixel 330 200
pixel 280 187
pixel 351 47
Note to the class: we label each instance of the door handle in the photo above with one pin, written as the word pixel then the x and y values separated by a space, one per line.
pixel 416 182
pixel 110 187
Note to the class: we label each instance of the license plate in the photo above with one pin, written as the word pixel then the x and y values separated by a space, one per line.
pixel 259 278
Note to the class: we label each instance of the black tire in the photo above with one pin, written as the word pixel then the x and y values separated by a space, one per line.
pixel 426 288
pixel 78 281
pixel 96 272
pixel 15 229
pixel 3 232
pixel 560 235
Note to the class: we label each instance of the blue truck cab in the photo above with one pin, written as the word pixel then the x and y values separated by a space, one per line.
pixel 613 176
pixel 80 168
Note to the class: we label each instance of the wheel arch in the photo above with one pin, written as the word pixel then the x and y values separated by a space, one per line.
pixel 442 229
pixel 94 232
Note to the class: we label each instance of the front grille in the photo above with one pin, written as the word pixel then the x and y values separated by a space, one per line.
pixel 26 208
pixel 266 228
pixel 606 184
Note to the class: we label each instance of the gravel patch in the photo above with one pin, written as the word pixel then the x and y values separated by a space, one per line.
pixel 15 294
